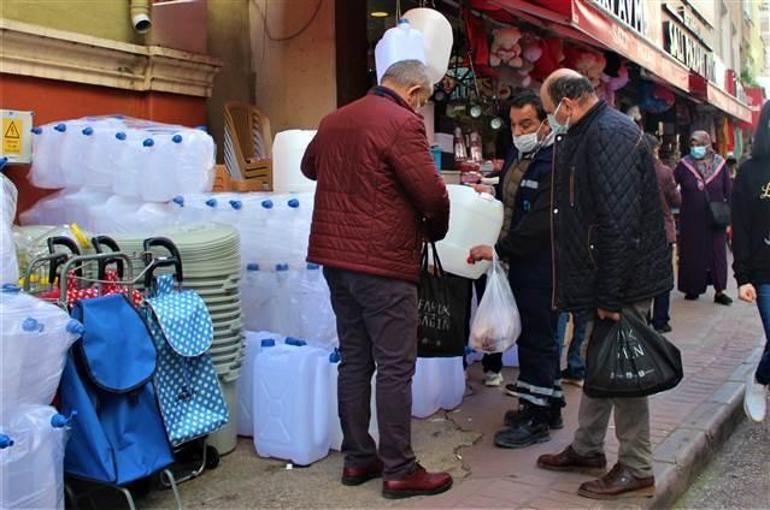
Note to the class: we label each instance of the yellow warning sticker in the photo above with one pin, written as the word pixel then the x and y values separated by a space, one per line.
pixel 15 135
pixel 12 136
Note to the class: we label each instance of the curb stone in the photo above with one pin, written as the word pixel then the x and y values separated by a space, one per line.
pixel 686 452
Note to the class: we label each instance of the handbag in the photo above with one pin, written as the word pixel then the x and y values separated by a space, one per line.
pixel 718 212
pixel 628 359
pixel 443 310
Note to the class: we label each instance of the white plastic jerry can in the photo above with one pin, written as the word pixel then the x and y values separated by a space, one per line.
pixel 397 44
pixel 291 402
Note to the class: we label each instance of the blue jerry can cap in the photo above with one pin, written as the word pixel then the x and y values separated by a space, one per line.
pixel 61 127
pixel 282 267
pixel 148 142
pixel 334 356
pixel 236 204
pixel 11 288
pixel 267 204
pixel 88 131
pixel 120 135
pixel 252 266
pixel 75 327
pixel 5 441
pixel 267 342
pixel 293 203
pixel 211 202
pixel 178 200
pixel 176 138
pixel 313 267
pixel 290 340
pixel 30 325
pixel 37 130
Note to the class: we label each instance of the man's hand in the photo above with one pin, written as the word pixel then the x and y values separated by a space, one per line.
pixel 747 293
pixel 481 253
pixel 484 188
pixel 606 315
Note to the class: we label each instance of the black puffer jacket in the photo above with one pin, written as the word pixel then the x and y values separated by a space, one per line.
pixel 610 247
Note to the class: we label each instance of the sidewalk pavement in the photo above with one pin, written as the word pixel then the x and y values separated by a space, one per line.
pixel 719 347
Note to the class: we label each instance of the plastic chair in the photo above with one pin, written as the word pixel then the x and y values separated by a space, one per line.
pixel 248 144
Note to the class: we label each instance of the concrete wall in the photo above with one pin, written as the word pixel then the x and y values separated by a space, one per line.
pixel 296 78
pixel 101 18
pixel 229 40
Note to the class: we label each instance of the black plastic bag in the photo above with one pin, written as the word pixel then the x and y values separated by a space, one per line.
pixel 630 359
pixel 443 311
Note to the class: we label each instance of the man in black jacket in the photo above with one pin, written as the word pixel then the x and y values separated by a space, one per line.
pixel 610 255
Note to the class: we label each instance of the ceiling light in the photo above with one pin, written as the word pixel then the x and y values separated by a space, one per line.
pixel 379 14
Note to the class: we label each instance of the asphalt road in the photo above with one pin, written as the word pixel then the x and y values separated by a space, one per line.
pixel 739 476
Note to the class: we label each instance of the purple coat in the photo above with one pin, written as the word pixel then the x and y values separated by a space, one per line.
pixel 702 249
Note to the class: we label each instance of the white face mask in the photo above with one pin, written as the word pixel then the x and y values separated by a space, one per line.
pixel 526 143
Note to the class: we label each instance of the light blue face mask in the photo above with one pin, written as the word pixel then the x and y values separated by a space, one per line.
pixel 557 127
pixel 698 152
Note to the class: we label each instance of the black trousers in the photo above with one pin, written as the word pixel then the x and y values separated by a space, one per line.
pixel 539 375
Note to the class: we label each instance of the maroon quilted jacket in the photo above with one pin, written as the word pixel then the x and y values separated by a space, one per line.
pixel 378 195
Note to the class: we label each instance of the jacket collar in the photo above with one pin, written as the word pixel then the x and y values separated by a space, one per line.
pixel 387 93
pixel 580 126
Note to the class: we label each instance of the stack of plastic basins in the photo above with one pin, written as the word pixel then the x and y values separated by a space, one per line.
pixel 33 346
pixel 211 264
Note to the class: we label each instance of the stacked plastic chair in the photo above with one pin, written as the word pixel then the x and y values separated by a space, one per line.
pixel 212 267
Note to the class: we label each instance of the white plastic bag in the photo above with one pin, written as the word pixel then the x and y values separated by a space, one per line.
pixel 497 324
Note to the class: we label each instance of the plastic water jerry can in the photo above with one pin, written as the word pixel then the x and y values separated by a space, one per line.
pixel 291 402
pixel 397 44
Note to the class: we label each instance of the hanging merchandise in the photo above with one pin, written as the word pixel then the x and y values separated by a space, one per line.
pixel 514 53
pixel 437 36
pixel 655 98
pixel 589 63
pixel 551 59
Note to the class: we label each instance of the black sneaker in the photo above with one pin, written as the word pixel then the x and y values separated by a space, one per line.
pixel 723 299
pixel 513 417
pixel 511 390
pixel 666 328
pixel 534 430
pixel 691 297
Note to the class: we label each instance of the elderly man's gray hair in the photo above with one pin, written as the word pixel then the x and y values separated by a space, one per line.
pixel 408 73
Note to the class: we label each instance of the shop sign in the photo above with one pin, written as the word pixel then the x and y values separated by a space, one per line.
pixel 681 45
pixel 630 12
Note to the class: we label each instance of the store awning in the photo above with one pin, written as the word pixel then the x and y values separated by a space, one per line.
pixel 586 23
pixel 727 103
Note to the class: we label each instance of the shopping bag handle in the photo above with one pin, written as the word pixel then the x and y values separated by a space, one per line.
pixel 99 242
pixel 438 269
pixel 152 263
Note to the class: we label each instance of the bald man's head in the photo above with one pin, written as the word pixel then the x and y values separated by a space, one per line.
pixel 570 92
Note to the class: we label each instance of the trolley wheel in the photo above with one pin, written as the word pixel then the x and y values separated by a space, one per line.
pixel 212 457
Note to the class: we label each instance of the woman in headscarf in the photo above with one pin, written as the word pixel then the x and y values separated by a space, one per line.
pixel 703 178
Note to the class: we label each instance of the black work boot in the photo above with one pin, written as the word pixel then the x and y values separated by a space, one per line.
pixel 531 427
pixel 515 416
pixel 555 421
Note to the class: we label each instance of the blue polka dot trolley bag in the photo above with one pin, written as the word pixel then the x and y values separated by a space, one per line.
pixel 190 398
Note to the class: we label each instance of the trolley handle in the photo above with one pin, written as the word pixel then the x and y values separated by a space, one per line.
pixel 99 243
pixel 152 263
pixel 71 246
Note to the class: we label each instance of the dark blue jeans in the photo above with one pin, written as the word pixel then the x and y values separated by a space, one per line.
pixel 575 365
pixel 763 301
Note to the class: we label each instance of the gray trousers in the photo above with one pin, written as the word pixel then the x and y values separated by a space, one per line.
pixel 377 326
pixel 632 424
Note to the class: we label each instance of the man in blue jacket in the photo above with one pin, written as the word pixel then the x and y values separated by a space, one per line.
pixel 526 246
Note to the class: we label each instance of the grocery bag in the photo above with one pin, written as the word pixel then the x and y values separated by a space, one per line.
pixel 443 310
pixel 629 359
pixel 497 324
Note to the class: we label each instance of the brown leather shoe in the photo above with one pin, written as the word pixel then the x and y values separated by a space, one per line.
pixel 362 474
pixel 569 460
pixel 619 483
pixel 418 483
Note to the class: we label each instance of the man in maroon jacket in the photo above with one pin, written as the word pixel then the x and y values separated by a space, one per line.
pixel 379 197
